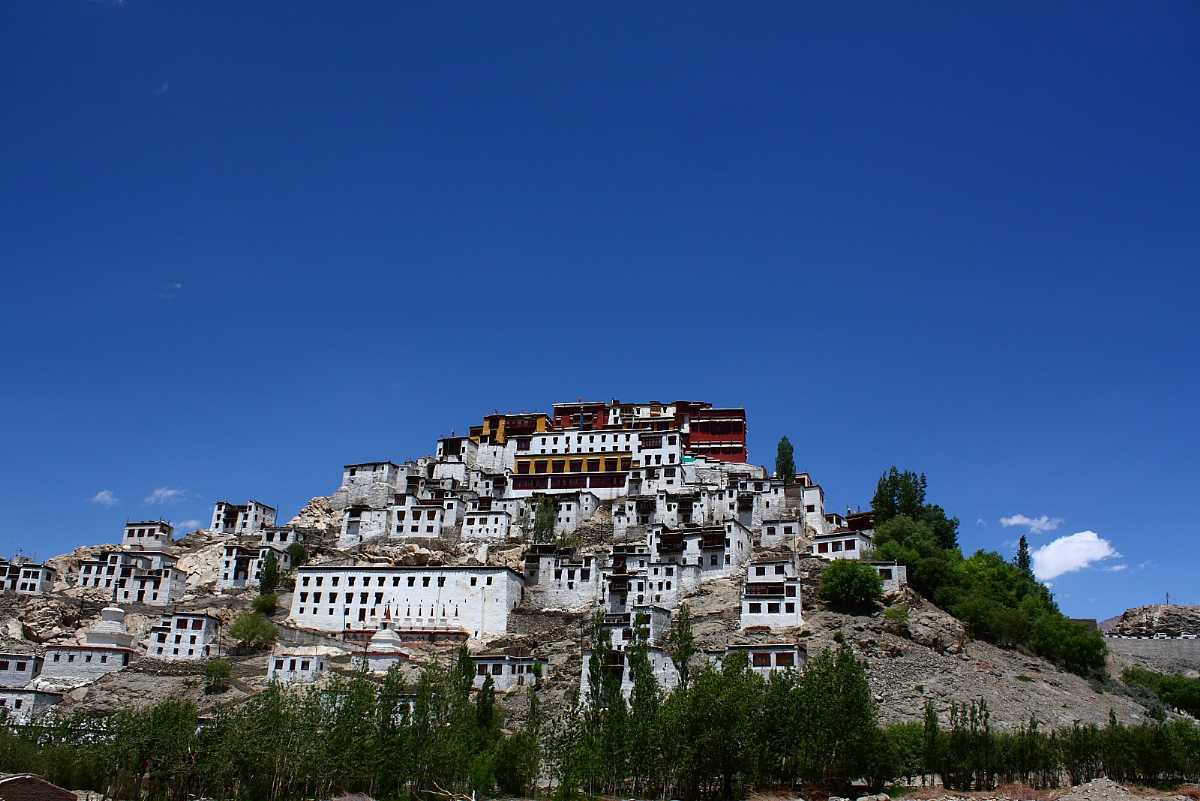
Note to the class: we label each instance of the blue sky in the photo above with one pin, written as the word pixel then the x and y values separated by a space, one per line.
pixel 247 243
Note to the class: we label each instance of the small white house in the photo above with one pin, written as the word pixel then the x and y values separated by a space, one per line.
pixel 842 544
pixel 508 671
pixel 22 706
pixel 295 665
pixel 148 534
pixel 17 670
pixel 183 636
pixel 767 658
pixel 892 574
pixel 414 518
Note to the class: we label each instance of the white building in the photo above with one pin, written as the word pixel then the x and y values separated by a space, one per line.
pixel 716 549
pixel 458 449
pixel 786 533
pixel 25 577
pixel 241 519
pixel 474 599
pixel 17 670
pixel 148 534
pixel 106 648
pixel 771 595
pixel 242 567
pixel 633 578
pixel 184 636
pixel 295 665
pixel 558 578
pixel 415 518
pixel 893 575
pixel 141 577
pixel 362 523
pixel 371 484
pixel 508 671
pixel 21 706
pixel 655 620
pixel 842 544
pixel 660 664
pixel 768 658
pixel 282 536
pixel 491 525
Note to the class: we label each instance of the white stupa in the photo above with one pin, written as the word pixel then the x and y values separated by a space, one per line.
pixel 110 630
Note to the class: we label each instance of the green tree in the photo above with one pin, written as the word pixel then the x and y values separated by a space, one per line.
pixel 265 604
pixel 297 554
pixel 1024 562
pixel 543 520
pixel 252 631
pixel 851 585
pixel 681 643
pixel 785 463
pixel 270 574
pixel 216 675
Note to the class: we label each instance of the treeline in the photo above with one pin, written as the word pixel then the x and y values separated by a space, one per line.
pixel 1171 690
pixel 725 731
pixel 998 600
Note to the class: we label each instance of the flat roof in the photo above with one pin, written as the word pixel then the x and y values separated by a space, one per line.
pixel 407 568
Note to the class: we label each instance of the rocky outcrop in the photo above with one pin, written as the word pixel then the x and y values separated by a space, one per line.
pixel 318 514
pixel 1170 620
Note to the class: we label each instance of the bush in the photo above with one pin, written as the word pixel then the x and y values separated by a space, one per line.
pixel 252 630
pixel 896 614
pixel 270 574
pixel 851 585
pixel 266 603
pixel 298 554
pixel 216 675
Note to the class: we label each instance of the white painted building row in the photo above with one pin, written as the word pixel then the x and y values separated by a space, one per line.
pixel 24 577
pixel 474 599
pixel 241 520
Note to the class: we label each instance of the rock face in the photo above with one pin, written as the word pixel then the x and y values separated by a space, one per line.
pixel 1171 620
pixel 318 514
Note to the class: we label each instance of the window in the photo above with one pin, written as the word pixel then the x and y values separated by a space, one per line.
pixel 755 608
pixel 789 608
pixel 785 659
pixel 849 545
pixel 760 659
pixel 773 609
pixel 760 570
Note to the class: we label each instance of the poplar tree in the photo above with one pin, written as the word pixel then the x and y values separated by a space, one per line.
pixel 681 644
pixel 785 463
pixel 1024 561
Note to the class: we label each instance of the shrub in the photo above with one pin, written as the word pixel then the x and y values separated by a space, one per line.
pixel 897 614
pixel 851 585
pixel 265 604
pixel 216 675
pixel 298 554
pixel 270 574
pixel 252 630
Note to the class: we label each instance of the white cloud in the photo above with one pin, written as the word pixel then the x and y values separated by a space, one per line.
pixel 1117 568
pixel 1036 525
pixel 189 525
pixel 165 495
pixel 979 521
pixel 1071 553
pixel 104 498
pixel 162 89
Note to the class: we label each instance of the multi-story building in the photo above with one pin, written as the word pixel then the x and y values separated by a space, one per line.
pixel 183 636
pixel 148 534
pixel 241 519
pixel 771 595
pixel 491 525
pixel 141 577
pixel 618 665
pixel 557 577
pixel 767 658
pixel 25 577
pixel 473 598
pixel 717 549
pixel 655 622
